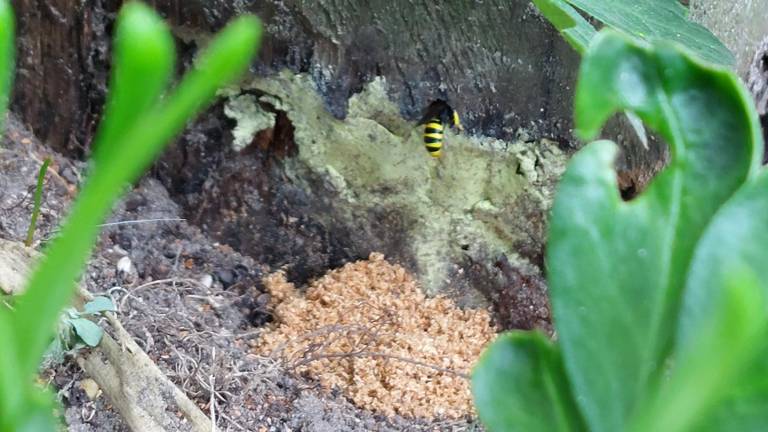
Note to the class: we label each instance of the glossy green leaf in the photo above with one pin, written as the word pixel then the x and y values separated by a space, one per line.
pixel 143 60
pixel 715 356
pixel 616 269
pixel 519 385
pixel 51 286
pixel 574 28
pixel 655 20
pixel 7 55
pixel 737 238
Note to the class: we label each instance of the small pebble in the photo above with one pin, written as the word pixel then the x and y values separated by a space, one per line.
pixel 161 271
pixel 134 202
pixel 226 277
pixel 207 280
pixel 124 265
pixel 263 300
pixel 90 388
pixel 171 251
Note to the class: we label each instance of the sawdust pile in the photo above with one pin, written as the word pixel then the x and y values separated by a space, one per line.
pixel 367 330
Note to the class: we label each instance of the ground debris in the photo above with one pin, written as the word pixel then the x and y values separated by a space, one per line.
pixel 368 330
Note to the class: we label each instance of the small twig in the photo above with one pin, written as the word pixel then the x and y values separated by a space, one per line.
pixel 128 222
pixel 232 422
pixel 132 292
pixel 321 331
pixel 176 264
pixel 141 221
pixel 87 412
pixel 182 371
pixel 212 379
pixel 362 354
pixel 191 282
pixel 8 305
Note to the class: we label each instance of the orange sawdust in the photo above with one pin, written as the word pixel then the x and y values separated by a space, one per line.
pixel 368 330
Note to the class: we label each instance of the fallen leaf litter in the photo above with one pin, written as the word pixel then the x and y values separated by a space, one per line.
pixel 367 330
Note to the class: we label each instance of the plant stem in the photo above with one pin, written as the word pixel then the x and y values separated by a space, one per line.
pixel 38 201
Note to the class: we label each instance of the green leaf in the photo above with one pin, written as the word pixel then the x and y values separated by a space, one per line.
pixel 567 20
pixel 616 269
pixel 38 201
pixel 41 420
pixel 143 61
pixel 52 284
pixel 654 20
pixel 7 55
pixel 38 415
pixel 87 331
pixel 10 380
pixel 735 239
pixel 713 358
pixel 519 385
pixel 98 305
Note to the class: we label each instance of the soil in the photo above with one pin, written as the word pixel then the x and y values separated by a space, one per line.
pixel 193 304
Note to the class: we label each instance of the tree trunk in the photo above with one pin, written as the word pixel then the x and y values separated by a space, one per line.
pixel 498 62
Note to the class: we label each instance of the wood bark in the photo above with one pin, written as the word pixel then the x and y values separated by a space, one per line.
pixel 498 62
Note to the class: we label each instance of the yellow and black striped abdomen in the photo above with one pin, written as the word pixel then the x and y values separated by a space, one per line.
pixel 433 137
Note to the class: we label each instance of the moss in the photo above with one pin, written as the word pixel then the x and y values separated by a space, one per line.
pixel 465 203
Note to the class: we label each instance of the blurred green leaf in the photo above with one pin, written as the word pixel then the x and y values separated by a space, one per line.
pixel 144 56
pixel 713 358
pixel 519 385
pixel 648 20
pixel 39 415
pixel 7 56
pixel 735 239
pixel 567 20
pixel 658 20
pixel 40 420
pixel 10 379
pixel 617 269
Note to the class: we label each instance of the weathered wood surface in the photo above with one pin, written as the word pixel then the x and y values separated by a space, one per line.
pixel 498 62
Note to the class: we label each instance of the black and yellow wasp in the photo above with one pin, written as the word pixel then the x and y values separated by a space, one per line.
pixel 436 116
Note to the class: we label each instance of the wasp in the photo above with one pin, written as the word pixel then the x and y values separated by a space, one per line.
pixel 436 116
